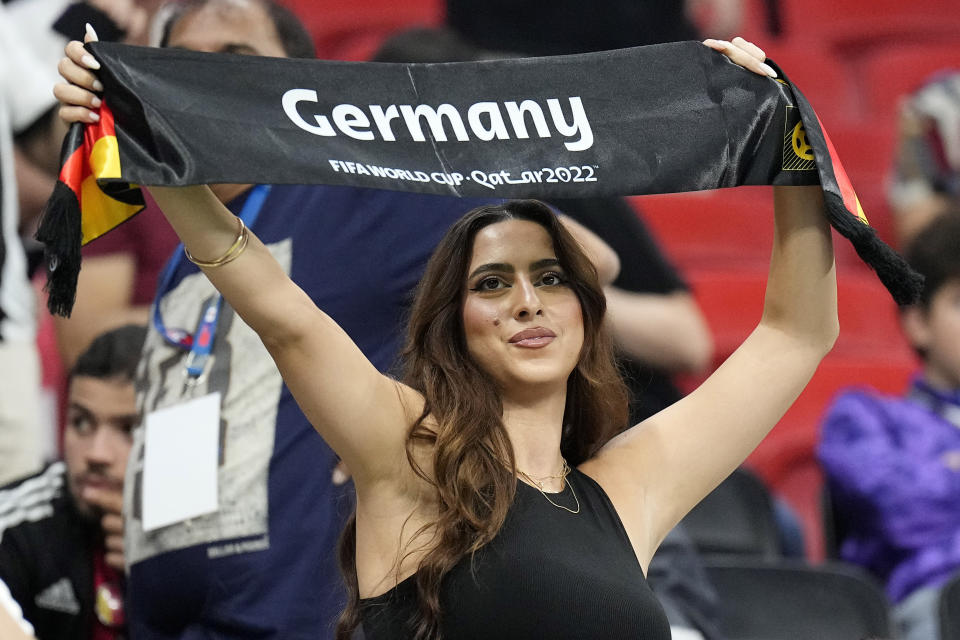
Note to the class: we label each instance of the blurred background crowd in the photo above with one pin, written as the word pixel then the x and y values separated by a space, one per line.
pixel 844 522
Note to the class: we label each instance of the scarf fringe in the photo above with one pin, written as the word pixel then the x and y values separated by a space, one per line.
pixel 903 283
pixel 61 235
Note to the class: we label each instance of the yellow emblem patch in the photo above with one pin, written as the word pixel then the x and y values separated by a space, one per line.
pixel 797 152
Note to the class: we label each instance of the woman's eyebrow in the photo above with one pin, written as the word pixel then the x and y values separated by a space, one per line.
pixel 545 262
pixel 492 266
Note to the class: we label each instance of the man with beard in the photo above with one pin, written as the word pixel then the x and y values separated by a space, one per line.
pixel 61 535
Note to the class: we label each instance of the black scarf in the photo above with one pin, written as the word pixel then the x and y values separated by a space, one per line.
pixel 658 119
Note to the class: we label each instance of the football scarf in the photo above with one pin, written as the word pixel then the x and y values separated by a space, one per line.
pixel 658 119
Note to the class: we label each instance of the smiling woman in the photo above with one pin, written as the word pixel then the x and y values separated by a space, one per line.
pixel 505 344
pixel 517 304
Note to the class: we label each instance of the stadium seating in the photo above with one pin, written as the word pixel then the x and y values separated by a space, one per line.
pixel 736 518
pixel 814 70
pixel 887 75
pixel 950 610
pixel 786 601
pixel 855 21
pixel 732 300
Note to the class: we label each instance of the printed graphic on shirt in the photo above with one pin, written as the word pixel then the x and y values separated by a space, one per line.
pixel 59 597
pixel 31 500
pixel 243 372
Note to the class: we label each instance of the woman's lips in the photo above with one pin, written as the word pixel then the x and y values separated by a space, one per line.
pixel 533 338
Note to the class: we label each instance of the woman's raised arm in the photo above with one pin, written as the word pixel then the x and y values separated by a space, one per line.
pixel 658 470
pixel 361 413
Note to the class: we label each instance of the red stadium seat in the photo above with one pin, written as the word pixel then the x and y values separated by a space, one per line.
pixel 873 199
pixel 730 227
pixel 732 301
pixel 727 226
pixel 854 40
pixel 821 76
pixel 866 150
pixel 888 75
pixel 860 22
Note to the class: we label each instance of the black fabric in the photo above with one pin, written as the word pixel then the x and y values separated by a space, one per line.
pixel 680 581
pixel 643 269
pixel 658 119
pixel 666 118
pixel 949 610
pixel 551 27
pixel 72 23
pixel 548 574
pixel 40 555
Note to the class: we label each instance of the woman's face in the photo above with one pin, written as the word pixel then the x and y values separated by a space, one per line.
pixel 523 324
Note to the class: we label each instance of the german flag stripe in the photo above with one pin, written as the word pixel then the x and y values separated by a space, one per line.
pixel 101 211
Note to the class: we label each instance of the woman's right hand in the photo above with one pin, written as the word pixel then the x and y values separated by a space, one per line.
pixel 78 95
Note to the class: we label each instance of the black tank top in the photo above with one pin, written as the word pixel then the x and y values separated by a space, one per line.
pixel 548 574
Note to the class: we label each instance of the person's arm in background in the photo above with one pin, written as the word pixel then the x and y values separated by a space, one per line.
pixel 605 260
pixel 667 331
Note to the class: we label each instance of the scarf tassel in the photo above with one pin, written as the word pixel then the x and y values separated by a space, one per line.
pixel 903 283
pixel 61 235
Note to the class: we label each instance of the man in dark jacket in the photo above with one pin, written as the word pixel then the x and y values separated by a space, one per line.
pixel 61 535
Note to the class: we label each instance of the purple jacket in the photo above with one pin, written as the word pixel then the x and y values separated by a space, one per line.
pixel 893 465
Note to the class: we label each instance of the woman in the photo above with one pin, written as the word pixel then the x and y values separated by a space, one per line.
pixel 490 500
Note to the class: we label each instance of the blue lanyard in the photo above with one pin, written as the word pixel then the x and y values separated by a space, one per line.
pixel 200 342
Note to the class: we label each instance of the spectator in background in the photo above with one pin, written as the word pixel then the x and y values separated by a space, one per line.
pixel 43 27
pixel 61 536
pixel 554 27
pixel 25 99
pixel 926 177
pixel 121 270
pixel 119 273
pixel 32 35
pixel 893 463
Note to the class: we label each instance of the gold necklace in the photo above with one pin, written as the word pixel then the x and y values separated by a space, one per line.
pixel 538 483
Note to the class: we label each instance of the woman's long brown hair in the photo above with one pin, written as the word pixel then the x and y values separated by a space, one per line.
pixel 474 488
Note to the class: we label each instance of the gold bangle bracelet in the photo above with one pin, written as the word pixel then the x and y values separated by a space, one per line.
pixel 231 254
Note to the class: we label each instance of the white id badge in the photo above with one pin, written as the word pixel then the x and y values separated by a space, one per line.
pixel 180 461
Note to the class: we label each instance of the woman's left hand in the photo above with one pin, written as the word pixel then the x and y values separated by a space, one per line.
pixel 744 53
